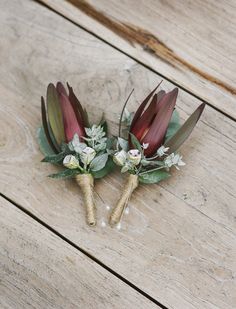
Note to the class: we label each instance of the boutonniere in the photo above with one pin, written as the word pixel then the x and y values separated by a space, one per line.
pixel 149 150
pixel 67 139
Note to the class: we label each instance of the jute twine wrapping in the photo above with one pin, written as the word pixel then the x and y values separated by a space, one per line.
pixel 130 186
pixel 86 183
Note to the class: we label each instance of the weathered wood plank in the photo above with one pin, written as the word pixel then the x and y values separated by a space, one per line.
pixel 40 270
pixel 178 242
pixel 192 43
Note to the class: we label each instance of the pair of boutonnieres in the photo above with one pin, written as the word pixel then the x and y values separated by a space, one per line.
pixel 146 150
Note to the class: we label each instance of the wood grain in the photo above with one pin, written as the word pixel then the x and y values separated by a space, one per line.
pixel 178 241
pixel 40 270
pixel 192 43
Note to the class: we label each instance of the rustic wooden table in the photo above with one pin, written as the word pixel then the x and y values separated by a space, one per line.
pixel 177 246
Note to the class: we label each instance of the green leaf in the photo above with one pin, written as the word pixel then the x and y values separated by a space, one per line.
pixel 136 143
pixel 153 176
pixel 55 114
pixel 110 165
pixel 174 125
pixel 65 174
pixel 44 146
pixel 185 130
pixel 56 158
pixel 110 142
pixel 47 129
pixel 86 118
pixel 124 144
pixel 99 162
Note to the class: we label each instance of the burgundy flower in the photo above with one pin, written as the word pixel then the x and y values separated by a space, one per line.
pixel 150 123
pixel 63 117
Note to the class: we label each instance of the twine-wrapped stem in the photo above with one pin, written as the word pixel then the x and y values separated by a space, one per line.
pixel 130 186
pixel 86 183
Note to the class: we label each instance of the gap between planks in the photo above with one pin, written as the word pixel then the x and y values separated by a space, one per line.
pixel 43 3
pixel 93 258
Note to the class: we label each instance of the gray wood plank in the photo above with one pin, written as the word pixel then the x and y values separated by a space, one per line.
pixel 178 241
pixel 40 270
pixel 192 43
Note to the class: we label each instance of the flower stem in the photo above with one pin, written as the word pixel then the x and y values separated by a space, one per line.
pixel 155 169
pixel 86 183
pixel 130 186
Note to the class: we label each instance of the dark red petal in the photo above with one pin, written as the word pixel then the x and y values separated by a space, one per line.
pixel 157 131
pixel 61 89
pixel 142 106
pixel 143 123
pixel 71 124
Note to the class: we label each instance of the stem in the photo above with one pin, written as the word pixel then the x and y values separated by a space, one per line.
pixel 130 186
pixel 86 183
pixel 155 169
pixel 122 112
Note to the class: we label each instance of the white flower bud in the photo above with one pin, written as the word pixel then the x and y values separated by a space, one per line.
pixel 134 156
pixel 120 157
pixel 87 155
pixel 71 162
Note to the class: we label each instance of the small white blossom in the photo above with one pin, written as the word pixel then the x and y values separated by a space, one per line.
pixel 87 155
pixel 145 145
pixel 174 159
pixel 120 157
pixel 71 162
pixel 134 156
pixel 162 151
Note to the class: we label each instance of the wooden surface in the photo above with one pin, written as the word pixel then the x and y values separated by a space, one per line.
pixel 178 242
pixel 40 270
pixel 192 43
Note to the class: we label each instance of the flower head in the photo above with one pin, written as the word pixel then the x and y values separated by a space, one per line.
pixel 62 116
pixel 150 125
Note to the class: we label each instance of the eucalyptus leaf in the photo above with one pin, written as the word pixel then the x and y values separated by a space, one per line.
pixel 68 173
pixel 136 143
pixel 104 125
pixel 98 162
pixel 100 147
pixel 174 125
pixel 110 142
pixel 153 176
pixel 44 146
pixel 124 144
pixel 56 158
pixel 110 165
